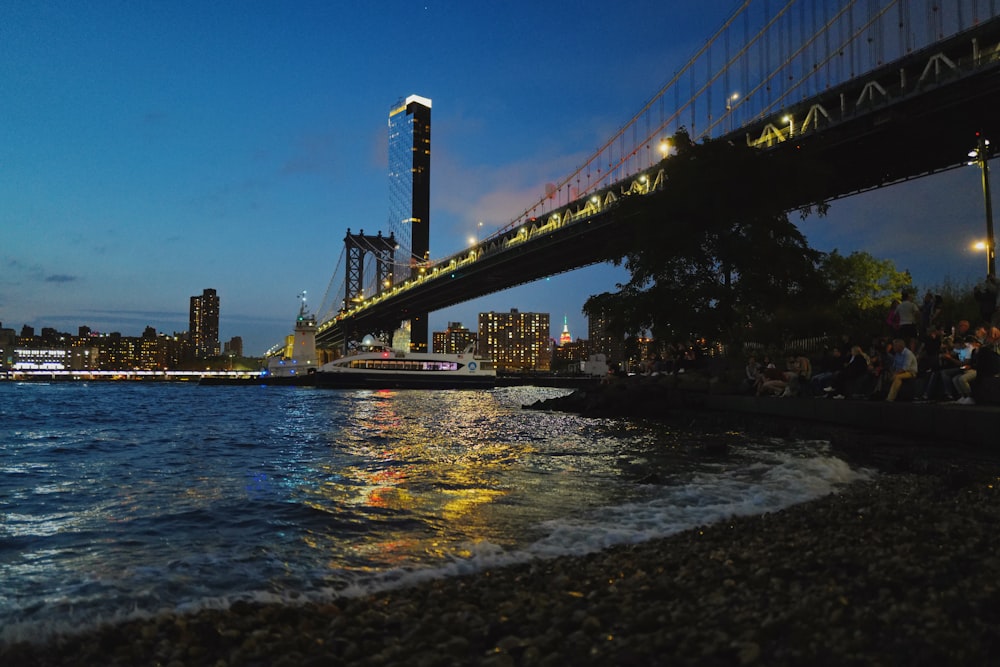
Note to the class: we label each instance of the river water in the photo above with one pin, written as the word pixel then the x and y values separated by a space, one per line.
pixel 123 499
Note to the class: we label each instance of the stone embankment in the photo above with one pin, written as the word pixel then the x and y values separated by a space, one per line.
pixel 939 424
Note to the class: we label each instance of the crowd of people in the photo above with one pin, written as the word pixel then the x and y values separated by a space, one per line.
pixel 916 358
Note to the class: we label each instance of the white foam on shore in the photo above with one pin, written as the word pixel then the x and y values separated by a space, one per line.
pixel 745 490
pixel 776 480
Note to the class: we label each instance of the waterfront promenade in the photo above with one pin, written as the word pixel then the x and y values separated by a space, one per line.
pixel 928 423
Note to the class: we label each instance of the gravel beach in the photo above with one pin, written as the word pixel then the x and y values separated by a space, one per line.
pixel 900 570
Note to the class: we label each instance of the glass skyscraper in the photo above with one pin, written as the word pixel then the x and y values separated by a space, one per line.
pixel 410 194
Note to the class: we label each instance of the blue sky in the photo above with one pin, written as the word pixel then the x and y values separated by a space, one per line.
pixel 149 150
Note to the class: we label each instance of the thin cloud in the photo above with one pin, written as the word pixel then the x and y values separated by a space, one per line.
pixel 15 264
pixel 496 195
pixel 60 278
pixel 18 271
pixel 135 314
pixel 314 154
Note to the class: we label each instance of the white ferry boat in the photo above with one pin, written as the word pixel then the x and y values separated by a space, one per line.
pixel 377 367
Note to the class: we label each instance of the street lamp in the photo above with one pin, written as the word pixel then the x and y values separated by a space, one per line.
pixel 788 118
pixel 980 154
pixel 730 104
pixel 664 147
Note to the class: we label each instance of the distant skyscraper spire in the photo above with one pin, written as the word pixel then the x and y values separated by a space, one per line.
pixel 565 337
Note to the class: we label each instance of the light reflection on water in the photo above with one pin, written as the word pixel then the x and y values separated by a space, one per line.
pixel 125 496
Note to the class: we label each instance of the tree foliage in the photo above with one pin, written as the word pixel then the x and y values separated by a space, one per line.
pixel 861 289
pixel 716 254
pixel 958 302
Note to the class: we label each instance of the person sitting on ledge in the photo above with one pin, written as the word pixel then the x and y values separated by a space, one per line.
pixel 949 364
pixel 830 366
pixel 880 353
pixel 984 363
pixel 771 381
pixel 849 381
pixel 904 367
pixel 797 373
pixel 798 382
pixel 988 366
pixel 750 375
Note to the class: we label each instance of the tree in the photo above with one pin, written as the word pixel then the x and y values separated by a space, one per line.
pixel 958 302
pixel 715 254
pixel 861 288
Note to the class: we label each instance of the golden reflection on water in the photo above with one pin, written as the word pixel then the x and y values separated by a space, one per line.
pixel 432 457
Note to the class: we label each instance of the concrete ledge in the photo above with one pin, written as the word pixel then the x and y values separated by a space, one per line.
pixel 976 425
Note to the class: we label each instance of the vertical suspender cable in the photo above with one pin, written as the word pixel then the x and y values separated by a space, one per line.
pixel 815 57
pixel 904 44
pixel 745 62
pixel 766 57
pixel 727 89
pixel 826 39
pixel 708 92
pixel 853 72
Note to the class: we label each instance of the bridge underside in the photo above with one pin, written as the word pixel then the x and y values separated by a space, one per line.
pixel 904 140
pixel 893 141
pixel 605 237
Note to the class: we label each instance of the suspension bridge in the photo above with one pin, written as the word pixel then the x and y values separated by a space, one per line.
pixel 878 91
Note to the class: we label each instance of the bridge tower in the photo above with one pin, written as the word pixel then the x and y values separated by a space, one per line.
pixel 409 190
pixel 357 246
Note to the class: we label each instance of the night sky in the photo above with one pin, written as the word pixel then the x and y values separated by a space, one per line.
pixel 150 150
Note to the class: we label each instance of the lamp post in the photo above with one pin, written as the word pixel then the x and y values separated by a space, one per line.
pixel 664 147
pixel 788 118
pixel 730 105
pixel 981 156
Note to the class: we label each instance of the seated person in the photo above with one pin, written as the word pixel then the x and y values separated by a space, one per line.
pixel 831 364
pixel 855 372
pixel 984 362
pixel 904 367
pixel 950 361
pixel 750 374
pixel 797 371
pixel 771 380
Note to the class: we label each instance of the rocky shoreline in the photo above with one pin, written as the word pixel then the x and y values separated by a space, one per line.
pixel 904 569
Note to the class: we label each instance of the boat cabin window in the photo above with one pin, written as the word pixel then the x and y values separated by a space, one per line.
pixel 403 365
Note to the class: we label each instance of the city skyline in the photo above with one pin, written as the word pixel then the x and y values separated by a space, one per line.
pixel 151 151
pixel 204 317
